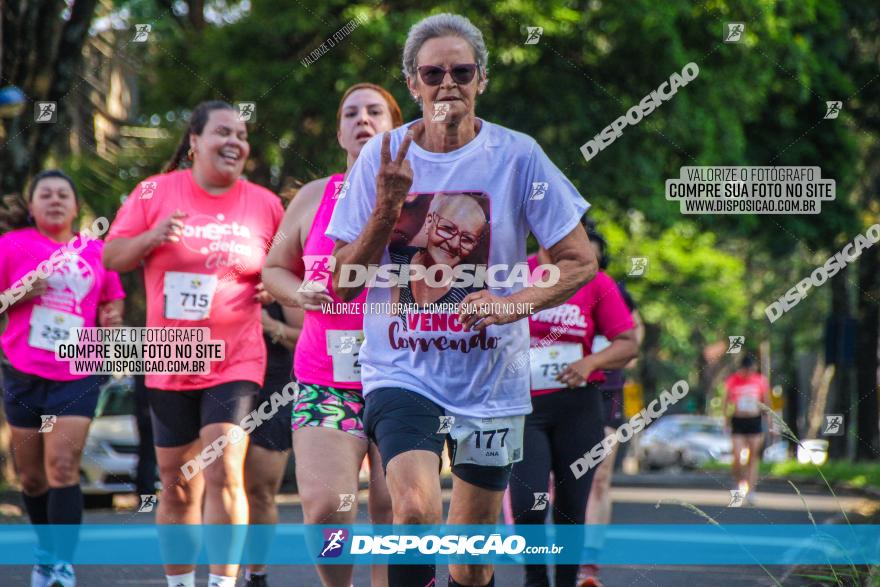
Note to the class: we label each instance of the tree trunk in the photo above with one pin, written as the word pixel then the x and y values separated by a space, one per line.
pixel 868 434
pixel 841 390
pixel 647 367
pixel 42 55
pixel 787 371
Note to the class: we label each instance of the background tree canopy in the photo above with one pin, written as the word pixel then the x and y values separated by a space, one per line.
pixel 761 101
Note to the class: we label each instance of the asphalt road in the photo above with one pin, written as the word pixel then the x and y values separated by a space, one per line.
pixel 637 500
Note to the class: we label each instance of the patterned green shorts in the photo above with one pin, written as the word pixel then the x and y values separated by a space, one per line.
pixel 329 407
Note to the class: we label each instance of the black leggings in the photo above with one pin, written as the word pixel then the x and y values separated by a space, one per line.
pixel 563 426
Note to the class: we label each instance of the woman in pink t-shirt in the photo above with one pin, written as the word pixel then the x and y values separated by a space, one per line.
pixel 567 419
pixel 202 234
pixel 329 409
pixel 746 390
pixel 52 280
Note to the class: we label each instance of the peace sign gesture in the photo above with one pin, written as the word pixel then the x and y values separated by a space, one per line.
pixel 395 176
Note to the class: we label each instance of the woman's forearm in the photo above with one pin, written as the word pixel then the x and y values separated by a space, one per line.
pixel 281 283
pixel 365 250
pixel 620 352
pixel 125 254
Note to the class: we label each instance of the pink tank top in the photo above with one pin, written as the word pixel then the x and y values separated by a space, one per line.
pixel 328 346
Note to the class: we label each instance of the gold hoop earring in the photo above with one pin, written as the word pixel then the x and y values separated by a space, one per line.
pixel 189 154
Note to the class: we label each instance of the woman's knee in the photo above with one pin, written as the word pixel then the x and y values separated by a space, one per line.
pixel 63 469
pixel 33 481
pixel 415 506
pixel 601 483
pixel 180 495
pixel 260 494
pixel 326 508
pixel 225 473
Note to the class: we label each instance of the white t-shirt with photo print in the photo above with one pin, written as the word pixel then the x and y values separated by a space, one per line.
pixel 479 375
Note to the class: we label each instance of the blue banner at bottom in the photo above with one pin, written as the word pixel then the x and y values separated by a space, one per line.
pixel 296 544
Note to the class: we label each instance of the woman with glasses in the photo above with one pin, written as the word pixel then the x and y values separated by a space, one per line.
pixel 459 362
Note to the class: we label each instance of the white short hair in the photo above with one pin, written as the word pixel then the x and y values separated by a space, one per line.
pixel 444 25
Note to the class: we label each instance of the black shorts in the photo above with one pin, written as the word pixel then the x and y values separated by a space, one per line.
pixel 399 420
pixel 747 425
pixel 612 407
pixel 27 397
pixel 179 416
pixel 273 434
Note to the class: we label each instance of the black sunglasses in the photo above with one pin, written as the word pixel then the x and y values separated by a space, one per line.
pixel 462 74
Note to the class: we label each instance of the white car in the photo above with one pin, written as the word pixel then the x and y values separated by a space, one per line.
pixel 109 461
pixel 687 441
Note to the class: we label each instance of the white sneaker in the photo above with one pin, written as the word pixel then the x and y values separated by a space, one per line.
pixel 62 576
pixel 40 575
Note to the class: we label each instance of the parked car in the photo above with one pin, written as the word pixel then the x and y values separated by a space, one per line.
pixel 687 441
pixel 813 450
pixel 109 461
pixel 776 452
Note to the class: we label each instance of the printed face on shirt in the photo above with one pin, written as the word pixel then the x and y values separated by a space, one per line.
pixel 449 228
pixel 457 227
pixel 364 115
pixel 53 204
pixel 222 149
